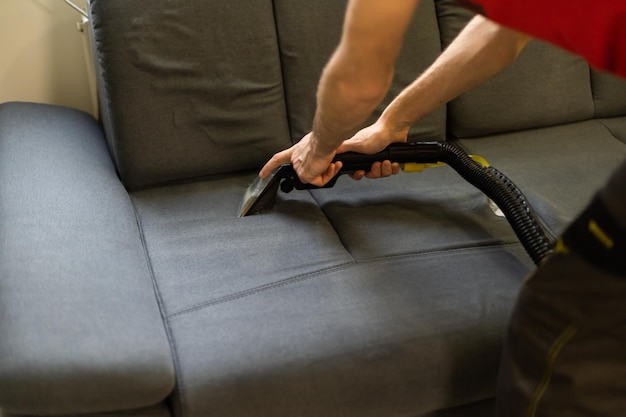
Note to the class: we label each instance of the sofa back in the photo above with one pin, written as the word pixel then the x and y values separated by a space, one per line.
pixel 609 94
pixel 545 86
pixel 191 88
pixel 188 88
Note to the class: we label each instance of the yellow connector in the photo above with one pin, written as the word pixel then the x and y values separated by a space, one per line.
pixel 482 161
pixel 416 167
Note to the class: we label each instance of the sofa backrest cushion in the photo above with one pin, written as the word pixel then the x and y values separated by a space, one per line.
pixel 308 32
pixel 188 89
pixel 545 86
pixel 609 94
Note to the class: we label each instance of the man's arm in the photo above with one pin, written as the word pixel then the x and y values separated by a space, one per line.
pixel 479 52
pixel 360 71
pixel 353 83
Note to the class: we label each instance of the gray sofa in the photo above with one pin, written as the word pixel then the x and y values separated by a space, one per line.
pixel 129 286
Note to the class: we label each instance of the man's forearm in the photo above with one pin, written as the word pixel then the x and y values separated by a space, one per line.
pixel 360 71
pixel 481 50
pixel 344 103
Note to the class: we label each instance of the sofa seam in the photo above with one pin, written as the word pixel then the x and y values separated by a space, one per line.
pixel 159 299
pixel 102 90
pixel 600 121
pixel 282 72
pixel 310 275
pixel 330 222
pixel 592 91
pixel 259 289
pixel 450 250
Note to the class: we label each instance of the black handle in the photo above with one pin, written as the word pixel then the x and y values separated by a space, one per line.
pixel 418 152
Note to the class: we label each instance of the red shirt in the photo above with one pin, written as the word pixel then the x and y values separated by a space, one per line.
pixel 595 29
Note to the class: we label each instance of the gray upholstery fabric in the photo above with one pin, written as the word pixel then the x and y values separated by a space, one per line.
pixel 374 298
pixel 479 409
pixel 558 168
pixel 615 125
pixel 432 211
pixel 80 327
pixel 392 337
pixel 308 33
pixel 160 410
pixel 201 252
pixel 614 195
pixel 271 315
pixel 484 408
pixel 609 94
pixel 182 102
pixel 545 86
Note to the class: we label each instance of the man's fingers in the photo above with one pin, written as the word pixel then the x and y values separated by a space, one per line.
pixel 322 179
pixel 375 171
pixel 388 168
pixel 358 175
pixel 280 158
pixel 331 172
pixel 383 169
pixel 336 167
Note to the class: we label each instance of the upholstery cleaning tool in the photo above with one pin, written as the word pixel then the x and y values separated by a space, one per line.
pixel 530 230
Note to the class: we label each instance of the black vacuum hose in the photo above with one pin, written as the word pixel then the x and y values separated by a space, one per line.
pixel 531 232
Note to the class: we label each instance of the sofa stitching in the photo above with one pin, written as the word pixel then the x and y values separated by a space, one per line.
pixel 304 277
pixel 487 247
pixel 159 299
pixel 261 288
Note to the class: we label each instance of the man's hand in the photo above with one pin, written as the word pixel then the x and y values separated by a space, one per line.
pixel 378 170
pixel 312 167
pixel 374 139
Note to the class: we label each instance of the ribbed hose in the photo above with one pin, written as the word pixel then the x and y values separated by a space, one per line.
pixel 530 231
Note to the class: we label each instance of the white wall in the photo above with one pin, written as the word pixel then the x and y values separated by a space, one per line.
pixel 42 55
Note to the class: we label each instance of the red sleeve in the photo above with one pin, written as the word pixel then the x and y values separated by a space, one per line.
pixel 594 29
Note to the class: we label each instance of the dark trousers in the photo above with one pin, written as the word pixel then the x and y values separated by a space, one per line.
pixel 565 351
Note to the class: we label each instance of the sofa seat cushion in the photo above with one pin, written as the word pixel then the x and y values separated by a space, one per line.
pixel 558 168
pixel 279 314
pixel 409 213
pixel 393 337
pixel 616 125
pixel 80 326
pixel 201 252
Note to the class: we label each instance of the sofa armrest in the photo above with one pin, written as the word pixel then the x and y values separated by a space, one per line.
pixel 80 325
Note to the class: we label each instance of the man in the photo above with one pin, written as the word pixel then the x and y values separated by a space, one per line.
pixel 352 84
pixel 565 353
pixel 359 73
